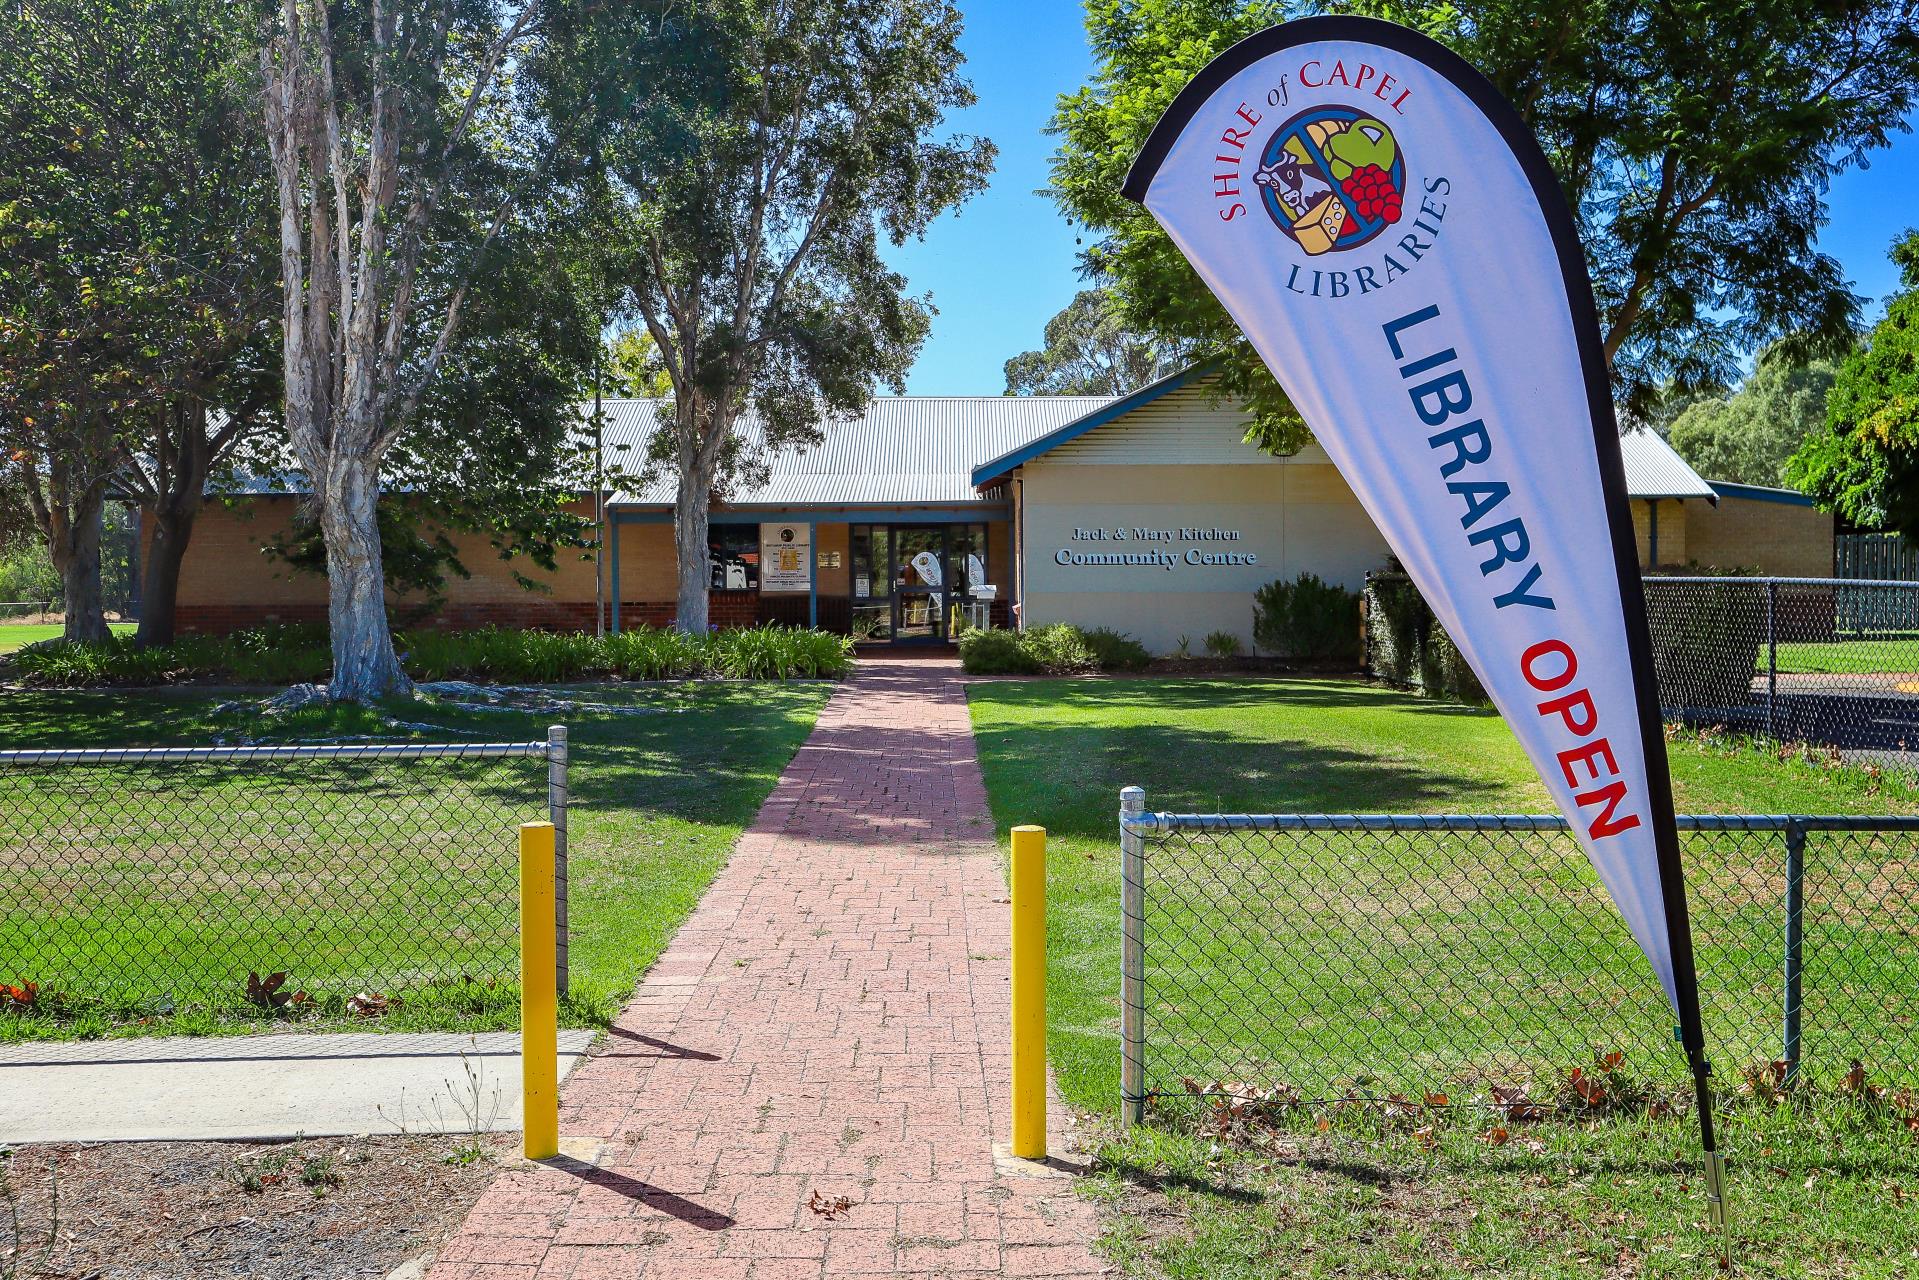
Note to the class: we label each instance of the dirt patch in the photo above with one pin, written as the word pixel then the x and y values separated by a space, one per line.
pixel 322 1209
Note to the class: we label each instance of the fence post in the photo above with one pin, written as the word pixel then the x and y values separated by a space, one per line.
pixel 1772 657
pixel 556 805
pixel 1132 960
pixel 1795 940
pixel 539 1010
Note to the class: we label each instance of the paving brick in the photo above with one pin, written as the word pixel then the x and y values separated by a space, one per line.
pixel 809 1082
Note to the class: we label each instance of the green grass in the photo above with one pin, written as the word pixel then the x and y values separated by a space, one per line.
pixel 18 635
pixel 1847 657
pixel 1340 960
pixel 658 799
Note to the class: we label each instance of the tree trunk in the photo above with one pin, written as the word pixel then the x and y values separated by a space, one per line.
pixel 76 554
pixel 364 663
pixel 691 549
pixel 160 578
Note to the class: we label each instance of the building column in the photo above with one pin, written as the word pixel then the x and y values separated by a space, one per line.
pixel 615 526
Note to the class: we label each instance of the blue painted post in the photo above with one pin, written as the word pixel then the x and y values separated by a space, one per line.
pixel 616 573
pixel 813 573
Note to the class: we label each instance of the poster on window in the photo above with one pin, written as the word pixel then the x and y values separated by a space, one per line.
pixel 786 555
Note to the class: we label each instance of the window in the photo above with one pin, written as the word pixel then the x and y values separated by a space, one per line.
pixel 872 563
pixel 736 556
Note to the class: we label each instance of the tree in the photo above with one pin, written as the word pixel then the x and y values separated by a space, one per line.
pixel 1695 142
pixel 751 217
pixel 1747 437
pixel 406 141
pixel 1864 463
pixel 139 272
pixel 1089 351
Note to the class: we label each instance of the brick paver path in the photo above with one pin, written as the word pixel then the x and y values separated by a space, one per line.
pixel 828 1029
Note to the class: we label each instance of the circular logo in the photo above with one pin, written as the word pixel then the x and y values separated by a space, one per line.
pixel 786 535
pixel 1332 178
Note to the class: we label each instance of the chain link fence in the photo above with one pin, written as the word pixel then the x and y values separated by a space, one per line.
pixel 1382 955
pixel 153 881
pixel 1828 661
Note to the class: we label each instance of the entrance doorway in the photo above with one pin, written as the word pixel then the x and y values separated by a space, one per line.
pixel 907 578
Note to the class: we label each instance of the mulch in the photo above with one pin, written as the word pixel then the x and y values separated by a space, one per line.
pixel 176 1210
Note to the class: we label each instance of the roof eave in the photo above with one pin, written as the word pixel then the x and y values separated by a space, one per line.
pixel 988 472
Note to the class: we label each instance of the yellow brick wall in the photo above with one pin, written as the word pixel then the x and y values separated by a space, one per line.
pixel 1778 538
pixel 1675 523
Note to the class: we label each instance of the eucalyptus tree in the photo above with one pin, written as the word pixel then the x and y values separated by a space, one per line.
pixel 1091 351
pixel 1695 142
pixel 751 217
pixel 411 146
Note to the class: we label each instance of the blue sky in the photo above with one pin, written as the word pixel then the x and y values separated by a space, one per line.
pixel 1004 264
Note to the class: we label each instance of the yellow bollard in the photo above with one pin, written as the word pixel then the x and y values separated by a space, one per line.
pixel 1029 992
pixel 539 1011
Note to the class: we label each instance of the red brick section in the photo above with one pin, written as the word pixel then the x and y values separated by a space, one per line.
pixel 828 1029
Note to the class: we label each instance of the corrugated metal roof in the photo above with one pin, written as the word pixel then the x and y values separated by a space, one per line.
pixel 902 450
pixel 1654 470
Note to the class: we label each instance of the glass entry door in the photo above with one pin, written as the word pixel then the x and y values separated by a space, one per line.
pixel 919 583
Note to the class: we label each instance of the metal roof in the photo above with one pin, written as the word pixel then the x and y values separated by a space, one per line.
pixel 903 450
pixel 1654 470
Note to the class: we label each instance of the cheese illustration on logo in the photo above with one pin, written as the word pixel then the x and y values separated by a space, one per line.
pixel 1332 178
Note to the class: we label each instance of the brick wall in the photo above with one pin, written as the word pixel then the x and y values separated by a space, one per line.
pixel 1778 538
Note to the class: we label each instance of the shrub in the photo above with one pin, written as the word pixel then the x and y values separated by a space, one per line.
pixel 1307 619
pixel 1407 646
pixel 996 653
pixel 1061 649
pixel 1116 651
pixel 291 654
pixel 1222 644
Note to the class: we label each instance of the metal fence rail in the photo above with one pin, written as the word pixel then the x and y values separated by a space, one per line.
pixel 1390 954
pixel 1830 661
pixel 157 879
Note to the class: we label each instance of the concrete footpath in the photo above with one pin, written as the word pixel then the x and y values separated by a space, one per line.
pixel 812 1080
pixel 264 1087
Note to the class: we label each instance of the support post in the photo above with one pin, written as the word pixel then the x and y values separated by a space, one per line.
pixel 556 804
pixel 613 525
pixel 1029 992
pixel 1772 658
pixel 813 575
pixel 1132 959
pixel 539 1010
pixel 1795 942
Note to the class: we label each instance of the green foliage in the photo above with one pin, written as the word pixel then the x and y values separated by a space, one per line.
pixel 996 653
pixel 1057 649
pixel 1407 646
pixel 1699 183
pixel 278 655
pixel 1222 644
pixel 1307 619
pixel 1115 650
pixel 1865 463
pixel 1746 438
pixel 27 574
pixel 1089 351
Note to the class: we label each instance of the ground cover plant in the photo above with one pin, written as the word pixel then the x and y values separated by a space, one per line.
pixel 663 780
pixel 288 654
pixel 1547 1182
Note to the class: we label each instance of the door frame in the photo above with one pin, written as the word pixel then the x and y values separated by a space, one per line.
pixel 937 594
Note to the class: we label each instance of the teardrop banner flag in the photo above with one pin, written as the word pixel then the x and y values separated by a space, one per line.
pixel 1386 231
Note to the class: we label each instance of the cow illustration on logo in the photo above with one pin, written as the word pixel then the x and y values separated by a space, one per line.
pixel 1332 178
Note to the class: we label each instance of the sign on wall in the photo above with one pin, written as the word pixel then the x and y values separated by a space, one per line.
pixel 785 558
pixel 1388 234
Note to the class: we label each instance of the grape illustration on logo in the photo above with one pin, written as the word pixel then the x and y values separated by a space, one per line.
pixel 1332 178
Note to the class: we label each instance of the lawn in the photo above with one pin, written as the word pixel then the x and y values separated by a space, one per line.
pixel 1346 961
pixel 1847 657
pixel 18 635
pixel 663 781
